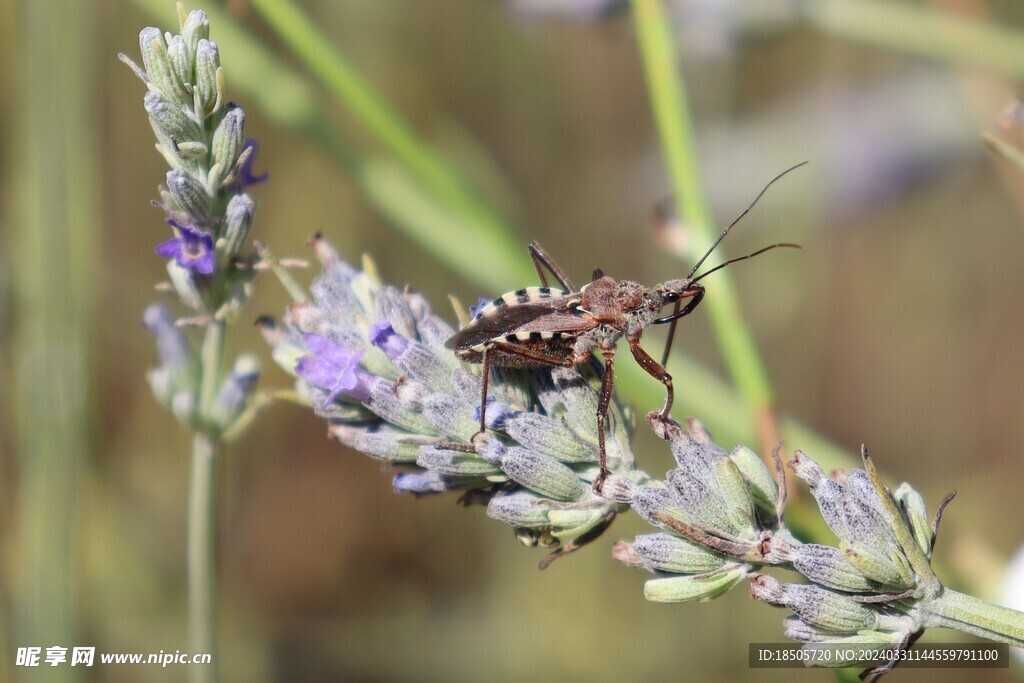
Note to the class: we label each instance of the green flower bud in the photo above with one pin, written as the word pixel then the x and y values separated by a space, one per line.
pixel 184 284
pixel 913 507
pixel 763 487
pixel 383 443
pixel 546 476
pixel 208 91
pixel 196 28
pixel 235 391
pixel 667 553
pixel 520 508
pixel 816 606
pixel 181 62
pixel 157 63
pixel 737 502
pixel 189 196
pixel 455 463
pixel 238 219
pixel 874 565
pixel 687 588
pixel 227 144
pixel 190 151
pixel 171 124
pixel 549 437
pixel 827 566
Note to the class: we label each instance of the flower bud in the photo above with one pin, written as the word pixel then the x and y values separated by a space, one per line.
pixel 450 416
pixel 455 463
pixel 181 61
pixel 158 65
pixel 818 607
pixel 186 287
pixel 189 196
pixel 520 508
pixel 227 143
pixel 826 565
pixel 236 390
pixel 738 504
pixel 422 483
pixel 700 587
pixel 175 353
pixel 208 79
pixel 195 28
pixel 763 488
pixel 542 434
pixel 667 553
pixel 877 566
pixel 383 442
pixel 652 502
pixel 913 507
pixel 238 218
pixel 170 123
pixel 546 476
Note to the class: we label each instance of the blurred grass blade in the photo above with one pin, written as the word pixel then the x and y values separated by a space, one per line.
pixel 487 234
pixel 1004 149
pixel 675 127
pixel 54 260
pixel 920 30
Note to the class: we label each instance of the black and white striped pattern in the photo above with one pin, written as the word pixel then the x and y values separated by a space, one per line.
pixel 521 337
pixel 527 295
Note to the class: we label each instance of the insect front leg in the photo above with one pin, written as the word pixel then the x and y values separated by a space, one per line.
pixel 602 413
pixel 696 292
pixel 655 370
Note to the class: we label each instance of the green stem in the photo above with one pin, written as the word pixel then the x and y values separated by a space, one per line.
pixel 962 612
pixel 675 127
pixel 441 181
pixel 202 564
pixel 920 30
pixel 212 359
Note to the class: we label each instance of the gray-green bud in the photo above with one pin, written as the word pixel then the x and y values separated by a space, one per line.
pixel 763 487
pixel 208 78
pixel 238 219
pixel 196 28
pixel 546 476
pixel 667 553
pixel 235 391
pixel 189 196
pixel 913 507
pixel 170 123
pixel 181 62
pixel 700 587
pixel 157 63
pixel 227 144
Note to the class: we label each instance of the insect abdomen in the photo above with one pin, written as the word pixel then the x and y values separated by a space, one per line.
pixel 527 295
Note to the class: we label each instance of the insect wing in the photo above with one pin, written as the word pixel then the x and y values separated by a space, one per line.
pixel 500 322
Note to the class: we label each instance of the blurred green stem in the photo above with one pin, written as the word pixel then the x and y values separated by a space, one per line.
pixel 52 252
pixel 440 180
pixel 920 30
pixel 675 127
pixel 202 563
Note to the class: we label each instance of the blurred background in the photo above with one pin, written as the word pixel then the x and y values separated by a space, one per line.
pixel 899 323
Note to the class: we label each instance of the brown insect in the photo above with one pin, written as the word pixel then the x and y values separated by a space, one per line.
pixel 546 326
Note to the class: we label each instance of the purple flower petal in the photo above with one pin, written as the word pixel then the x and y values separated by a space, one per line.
pixel 192 248
pixel 383 336
pixel 333 368
pixel 245 174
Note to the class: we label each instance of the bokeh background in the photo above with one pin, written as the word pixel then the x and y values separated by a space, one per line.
pixel 899 323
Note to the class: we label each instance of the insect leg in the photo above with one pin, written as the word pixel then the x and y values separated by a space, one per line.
pixel 513 350
pixel 697 296
pixel 655 370
pixel 541 260
pixel 602 413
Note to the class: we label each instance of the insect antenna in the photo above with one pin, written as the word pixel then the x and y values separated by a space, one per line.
pixel 676 313
pixel 744 258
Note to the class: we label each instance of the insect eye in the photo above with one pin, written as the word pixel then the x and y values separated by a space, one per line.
pixel 670 297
